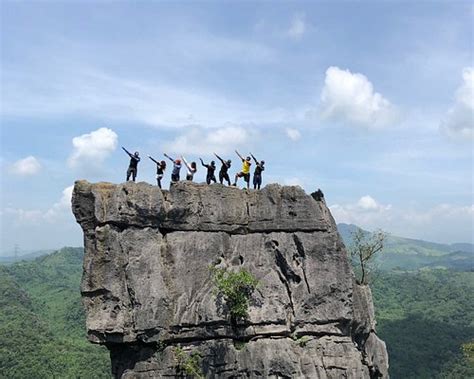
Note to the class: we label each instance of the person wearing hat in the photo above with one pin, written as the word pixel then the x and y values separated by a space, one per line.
pixel 211 168
pixel 223 173
pixel 133 166
pixel 176 168
pixel 257 174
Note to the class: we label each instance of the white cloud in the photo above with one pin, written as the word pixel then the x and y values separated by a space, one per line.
pixel 26 166
pixel 93 148
pixel 459 120
pixel 293 181
pixel 293 134
pixel 59 210
pixel 351 97
pixel 297 26
pixel 431 224
pixel 199 141
pixel 61 207
pixel 368 203
pixel 364 212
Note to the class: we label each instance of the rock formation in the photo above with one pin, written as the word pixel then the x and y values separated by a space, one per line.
pixel 147 285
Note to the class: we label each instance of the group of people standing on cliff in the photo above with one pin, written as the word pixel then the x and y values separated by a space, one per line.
pixel 192 169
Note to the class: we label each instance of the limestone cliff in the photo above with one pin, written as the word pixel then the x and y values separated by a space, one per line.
pixel 147 284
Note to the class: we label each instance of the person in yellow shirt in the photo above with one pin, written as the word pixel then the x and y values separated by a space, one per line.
pixel 245 173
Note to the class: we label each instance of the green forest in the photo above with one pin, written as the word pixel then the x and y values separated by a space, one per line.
pixel 42 322
pixel 426 318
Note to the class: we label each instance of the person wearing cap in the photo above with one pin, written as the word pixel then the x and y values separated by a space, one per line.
pixel 257 174
pixel 211 168
pixel 245 173
pixel 176 168
pixel 223 173
pixel 133 166
pixel 160 170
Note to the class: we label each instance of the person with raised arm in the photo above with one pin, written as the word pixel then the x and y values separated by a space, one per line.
pixel 257 174
pixel 176 168
pixel 223 173
pixel 211 168
pixel 245 173
pixel 160 170
pixel 192 168
pixel 133 166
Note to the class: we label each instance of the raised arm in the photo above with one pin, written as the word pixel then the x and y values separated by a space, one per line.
pixel 218 157
pixel 186 163
pixel 167 156
pixel 202 162
pixel 240 156
pixel 255 159
pixel 124 149
pixel 153 159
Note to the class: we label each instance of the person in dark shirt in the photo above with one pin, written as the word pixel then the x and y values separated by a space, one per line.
pixel 257 174
pixel 211 168
pixel 176 168
pixel 160 170
pixel 133 166
pixel 223 173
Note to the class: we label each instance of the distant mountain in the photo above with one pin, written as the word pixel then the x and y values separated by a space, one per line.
pixel 411 254
pixel 468 247
pixel 25 257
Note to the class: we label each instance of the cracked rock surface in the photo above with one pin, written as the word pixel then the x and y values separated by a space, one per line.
pixel 147 285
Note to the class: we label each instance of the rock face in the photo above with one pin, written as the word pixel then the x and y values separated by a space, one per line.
pixel 147 285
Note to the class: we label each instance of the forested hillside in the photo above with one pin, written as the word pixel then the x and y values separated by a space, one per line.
pixel 42 323
pixel 424 316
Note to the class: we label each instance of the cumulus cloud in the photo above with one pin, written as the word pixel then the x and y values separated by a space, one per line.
pixel 364 212
pixel 368 203
pixel 26 166
pixel 350 97
pixel 297 27
pixel 93 148
pixel 199 141
pixel 459 120
pixel 293 134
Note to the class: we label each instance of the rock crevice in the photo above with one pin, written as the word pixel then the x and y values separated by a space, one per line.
pixel 147 286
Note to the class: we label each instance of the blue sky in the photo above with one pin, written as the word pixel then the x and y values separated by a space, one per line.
pixel 370 101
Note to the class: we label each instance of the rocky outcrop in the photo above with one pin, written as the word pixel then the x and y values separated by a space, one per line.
pixel 147 284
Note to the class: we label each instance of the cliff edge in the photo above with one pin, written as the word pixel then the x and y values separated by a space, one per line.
pixel 147 285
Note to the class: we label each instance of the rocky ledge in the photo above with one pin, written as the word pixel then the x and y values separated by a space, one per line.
pixel 147 285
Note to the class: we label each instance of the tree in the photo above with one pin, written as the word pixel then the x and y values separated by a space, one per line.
pixel 236 288
pixel 363 248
